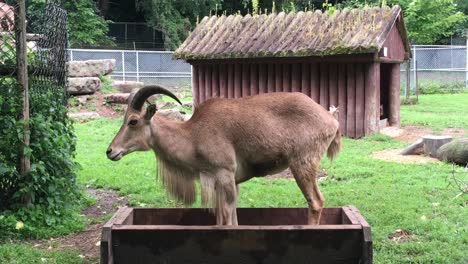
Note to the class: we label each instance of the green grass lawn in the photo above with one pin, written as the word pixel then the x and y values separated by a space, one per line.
pixel 421 199
pixel 437 111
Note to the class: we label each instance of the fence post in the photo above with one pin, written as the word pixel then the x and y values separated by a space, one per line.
pixel 414 66
pixel 71 55
pixel 408 79
pixel 123 65
pixel 466 60
pixel 22 79
pixel 138 66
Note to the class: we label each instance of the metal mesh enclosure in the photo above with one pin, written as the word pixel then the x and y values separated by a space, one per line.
pixel 46 42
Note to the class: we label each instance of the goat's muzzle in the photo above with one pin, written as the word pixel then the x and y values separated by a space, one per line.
pixel 115 156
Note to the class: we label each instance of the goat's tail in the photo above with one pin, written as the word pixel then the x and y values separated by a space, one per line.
pixel 335 146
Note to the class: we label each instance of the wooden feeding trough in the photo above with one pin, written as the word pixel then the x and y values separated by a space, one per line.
pixel 264 235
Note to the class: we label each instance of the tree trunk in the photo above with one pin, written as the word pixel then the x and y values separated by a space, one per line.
pixel 433 143
pixel 414 149
pixel 104 7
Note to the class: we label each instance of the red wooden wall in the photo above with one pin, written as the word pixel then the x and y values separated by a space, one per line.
pixel 353 87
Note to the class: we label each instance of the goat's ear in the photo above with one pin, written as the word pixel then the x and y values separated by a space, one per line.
pixel 150 110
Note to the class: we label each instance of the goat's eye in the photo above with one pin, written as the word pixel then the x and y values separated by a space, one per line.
pixel 132 122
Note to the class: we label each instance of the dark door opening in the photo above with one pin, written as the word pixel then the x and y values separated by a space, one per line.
pixel 385 71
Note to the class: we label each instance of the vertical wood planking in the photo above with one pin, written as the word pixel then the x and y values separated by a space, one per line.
pixel 324 85
pixel 371 102
pixel 271 78
pixel 333 84
pixel 237 80
pixel 305 78
pixel 278 78
pixel 342 97
pixel 208 91
pixel 195 85
pixel 245 80
pixel 296 78
pixel 286 77
pixel 262 78
pixel 360 100
pixel 253 79
pixel 230 81
pixel 201 83
pixel 315 82
pixel 351 104
pixel 394 96
pixel 223 81
pixel 215 81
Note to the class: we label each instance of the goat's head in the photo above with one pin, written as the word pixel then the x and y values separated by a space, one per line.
pixel 135 132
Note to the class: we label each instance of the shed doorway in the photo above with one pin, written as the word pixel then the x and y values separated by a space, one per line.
pixel 385 83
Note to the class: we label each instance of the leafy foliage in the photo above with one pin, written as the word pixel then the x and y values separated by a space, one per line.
pixel 85 26
pixel 175 18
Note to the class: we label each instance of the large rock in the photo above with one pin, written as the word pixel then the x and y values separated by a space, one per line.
pixel 127 87
pixel 117 98
pixel 90 68
pixel 455 151
pixel 85 85
pixel 173 114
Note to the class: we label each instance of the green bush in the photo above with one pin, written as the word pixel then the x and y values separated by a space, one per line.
pixel 441 88
pixel 45 196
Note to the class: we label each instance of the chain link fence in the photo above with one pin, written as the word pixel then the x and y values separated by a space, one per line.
pixel 437 67
pixel 148 67
pixel 36 143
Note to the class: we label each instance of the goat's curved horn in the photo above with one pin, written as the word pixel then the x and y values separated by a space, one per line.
pixel 139 98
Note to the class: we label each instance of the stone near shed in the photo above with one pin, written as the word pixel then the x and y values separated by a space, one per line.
pixel 86 115
pixel 84 85
pixel 127 87
pixel 173 114
pixel 90 68
pixel 433 143
pixel 117 98
pixel 167 105
pixel 455 151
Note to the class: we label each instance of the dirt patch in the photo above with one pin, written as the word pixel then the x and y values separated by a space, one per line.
pixel 401 236
pixel 87 242
pixel 413 133
pixel 394 155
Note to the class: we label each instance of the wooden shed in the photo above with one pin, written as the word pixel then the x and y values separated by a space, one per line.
pixel 349 59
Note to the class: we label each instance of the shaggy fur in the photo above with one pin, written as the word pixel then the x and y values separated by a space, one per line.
pixel 229 141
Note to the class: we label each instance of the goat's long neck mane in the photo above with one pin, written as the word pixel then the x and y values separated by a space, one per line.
pixel 171 147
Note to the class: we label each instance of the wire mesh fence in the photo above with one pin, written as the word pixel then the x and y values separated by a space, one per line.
pixel 142 66
pixel 437 67
pixel 33 118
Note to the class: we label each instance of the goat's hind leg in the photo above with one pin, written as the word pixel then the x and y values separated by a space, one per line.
pixel 305 173
pixel 226 198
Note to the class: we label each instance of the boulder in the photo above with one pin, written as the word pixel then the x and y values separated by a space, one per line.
pixel 90 68
pixel 86 115
pixel 173 114
pixel 84 85
pixel 127 87
pixel 455 151
pixel 117 98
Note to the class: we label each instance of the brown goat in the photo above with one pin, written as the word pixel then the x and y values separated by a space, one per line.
pixel 229 141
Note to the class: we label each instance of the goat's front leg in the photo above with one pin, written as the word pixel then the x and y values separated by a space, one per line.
pixel 226 198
